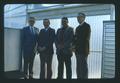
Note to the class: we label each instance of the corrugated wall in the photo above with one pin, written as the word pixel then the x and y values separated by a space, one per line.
pixel 108 60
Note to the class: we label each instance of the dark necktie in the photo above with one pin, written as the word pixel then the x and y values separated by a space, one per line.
pixel 32 30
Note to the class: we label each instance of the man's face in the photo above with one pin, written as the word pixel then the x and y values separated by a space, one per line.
pixel 31 22
pixel 80 19
pixel 46 23
pixel 64 22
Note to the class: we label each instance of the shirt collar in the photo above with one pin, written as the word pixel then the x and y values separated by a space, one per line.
pixel 31 26
pixel 64 27
pixel 82 23
pixel 47 28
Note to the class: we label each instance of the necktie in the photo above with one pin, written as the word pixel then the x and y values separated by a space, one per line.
pixel 32 30
pixel 46 29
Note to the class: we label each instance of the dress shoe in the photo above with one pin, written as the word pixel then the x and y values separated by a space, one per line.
pixel 30 76
pixel 26 77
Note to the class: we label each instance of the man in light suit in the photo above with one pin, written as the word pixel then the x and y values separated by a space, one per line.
pixel 45 48
pixel 29 42
pixel 81 44
pixel 64 39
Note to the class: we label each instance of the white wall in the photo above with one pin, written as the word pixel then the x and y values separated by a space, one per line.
pixel 12 49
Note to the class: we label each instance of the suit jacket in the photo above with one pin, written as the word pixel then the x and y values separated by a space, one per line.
pixel 29 40
pixel 47 38
pixel 67 40
pixel 82 37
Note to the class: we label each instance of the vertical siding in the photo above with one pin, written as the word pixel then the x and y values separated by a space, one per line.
pixel 108 60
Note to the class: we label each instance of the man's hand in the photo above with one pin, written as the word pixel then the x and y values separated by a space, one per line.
pixel 37 52
pixel 60 46
pixel 73 48
pixel 41 49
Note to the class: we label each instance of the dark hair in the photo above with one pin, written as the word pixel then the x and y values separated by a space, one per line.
pixel 65 18
pixel 46 19
pixel 31 18
pixel 82 14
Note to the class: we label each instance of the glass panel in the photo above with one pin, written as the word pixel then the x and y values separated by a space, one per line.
pixel 9 7
pixel 15 17
pixel 16 22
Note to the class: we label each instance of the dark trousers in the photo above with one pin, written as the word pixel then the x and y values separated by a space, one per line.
pixel 28 63
pixel 46 58
pixel 82 67
pixel 67 59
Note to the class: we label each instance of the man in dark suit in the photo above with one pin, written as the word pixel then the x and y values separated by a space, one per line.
pixel 81 43
pixel 29 41
pixel 64 39
pixel 45 48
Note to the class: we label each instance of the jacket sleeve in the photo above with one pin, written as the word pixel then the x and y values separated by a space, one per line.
pixel 87 33
pixel 39 38
pixel 56 38
pixel 51 38
pixel 68 43
pixel 74 41
pixel 23 37
pixel 37 35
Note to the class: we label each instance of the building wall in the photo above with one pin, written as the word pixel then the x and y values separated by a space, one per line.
pixel 96 14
